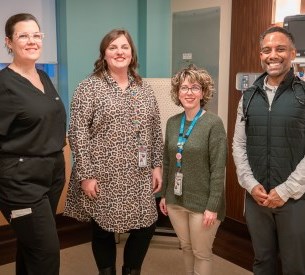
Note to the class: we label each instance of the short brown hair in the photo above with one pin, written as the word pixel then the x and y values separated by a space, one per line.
pixel 277 29
pixel 14 19
pixel 193 74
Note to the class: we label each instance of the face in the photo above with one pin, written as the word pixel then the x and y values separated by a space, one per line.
pixel 25 49
pixel 118 54
pixel 190 99
pixel 276 56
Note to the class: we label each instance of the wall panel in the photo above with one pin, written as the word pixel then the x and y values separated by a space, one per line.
pixel 302 6
pixel 249 19
pixel 167 108
pixel 44 11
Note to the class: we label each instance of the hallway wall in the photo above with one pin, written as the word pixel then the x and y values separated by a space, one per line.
pixel 82 24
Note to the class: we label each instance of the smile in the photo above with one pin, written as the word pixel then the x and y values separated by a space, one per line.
pixel 274 64
pixel 189 99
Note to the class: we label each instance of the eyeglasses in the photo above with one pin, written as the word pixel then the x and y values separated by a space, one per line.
pixel 194 89
pixel 25 36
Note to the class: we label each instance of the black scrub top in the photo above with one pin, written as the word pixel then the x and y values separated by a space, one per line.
pixel 32 123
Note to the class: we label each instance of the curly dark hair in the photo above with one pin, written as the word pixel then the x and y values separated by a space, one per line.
pixel 193 74
pixel 100 65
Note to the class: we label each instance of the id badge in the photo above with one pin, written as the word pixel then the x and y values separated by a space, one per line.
pixel 178 184
pixel 20 212
pixel 142 156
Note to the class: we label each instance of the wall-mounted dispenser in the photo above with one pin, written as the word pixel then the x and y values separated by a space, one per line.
pixel 245 80
pixel 299 67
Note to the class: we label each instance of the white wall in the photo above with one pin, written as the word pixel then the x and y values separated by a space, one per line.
pixel 224 50
pixel 44 11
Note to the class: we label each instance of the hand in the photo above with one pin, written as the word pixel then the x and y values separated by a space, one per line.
pixel 163 207
pixel 90 188
pixel 259 194
pixel 273 200
pixel 156 179
pixel 209 218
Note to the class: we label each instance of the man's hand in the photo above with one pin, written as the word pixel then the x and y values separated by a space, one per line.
pixel 259 194
pixel 273 200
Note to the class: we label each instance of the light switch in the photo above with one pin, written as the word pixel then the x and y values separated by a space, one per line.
pixel 187 56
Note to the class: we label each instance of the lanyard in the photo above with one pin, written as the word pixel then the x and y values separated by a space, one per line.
pixel 183 138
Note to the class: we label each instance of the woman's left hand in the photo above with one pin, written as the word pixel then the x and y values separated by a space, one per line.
pixel 156 179
pixel 209 218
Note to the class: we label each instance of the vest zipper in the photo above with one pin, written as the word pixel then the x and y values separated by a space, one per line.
pixel 268 150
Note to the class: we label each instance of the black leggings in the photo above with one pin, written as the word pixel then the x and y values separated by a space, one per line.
pixel 104 247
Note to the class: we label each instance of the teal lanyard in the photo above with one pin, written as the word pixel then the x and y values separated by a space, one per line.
pixel 183 138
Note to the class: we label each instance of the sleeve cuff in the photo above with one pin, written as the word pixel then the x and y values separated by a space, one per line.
pixel 251 185
pixel 282 192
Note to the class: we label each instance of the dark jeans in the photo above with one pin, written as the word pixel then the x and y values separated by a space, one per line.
pixel 279 231
pixel 38 250
pixel 104 246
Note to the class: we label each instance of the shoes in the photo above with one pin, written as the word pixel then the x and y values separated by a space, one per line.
pixel 130 271
pixel 108 271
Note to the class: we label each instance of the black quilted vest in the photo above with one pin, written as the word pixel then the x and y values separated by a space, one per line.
pixel 276 135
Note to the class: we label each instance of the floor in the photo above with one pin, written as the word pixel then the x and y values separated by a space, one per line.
pixel 163 258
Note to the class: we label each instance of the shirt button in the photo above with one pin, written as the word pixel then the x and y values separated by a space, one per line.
pixel 21 159
pixel 57 98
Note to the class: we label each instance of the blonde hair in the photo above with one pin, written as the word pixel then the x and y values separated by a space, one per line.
pixel 193 74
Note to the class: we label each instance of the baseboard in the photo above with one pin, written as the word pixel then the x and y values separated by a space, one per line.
pixel 233 243
pixel 7 245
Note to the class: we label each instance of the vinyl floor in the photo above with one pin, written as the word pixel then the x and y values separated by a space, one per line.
pixel 163 258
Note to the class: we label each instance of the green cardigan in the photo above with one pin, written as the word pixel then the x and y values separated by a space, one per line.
pixel 203 165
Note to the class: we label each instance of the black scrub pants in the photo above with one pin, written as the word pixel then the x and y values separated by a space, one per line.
pixel 42 178
pixel 104 246
pixel 279 231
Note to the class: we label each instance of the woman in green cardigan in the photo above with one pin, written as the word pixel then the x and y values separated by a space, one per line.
pixel 194 169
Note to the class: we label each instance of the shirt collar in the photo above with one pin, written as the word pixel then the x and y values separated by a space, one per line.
pixel 267 87
pixel 111 81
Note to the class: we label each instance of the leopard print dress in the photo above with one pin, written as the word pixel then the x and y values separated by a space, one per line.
pixel 104 144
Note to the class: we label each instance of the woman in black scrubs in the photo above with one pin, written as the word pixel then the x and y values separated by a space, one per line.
pixel 32 136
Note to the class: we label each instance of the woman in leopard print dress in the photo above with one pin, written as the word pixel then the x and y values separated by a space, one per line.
pixel 116 140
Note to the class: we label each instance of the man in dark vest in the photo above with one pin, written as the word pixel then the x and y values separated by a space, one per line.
pixel 269 154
